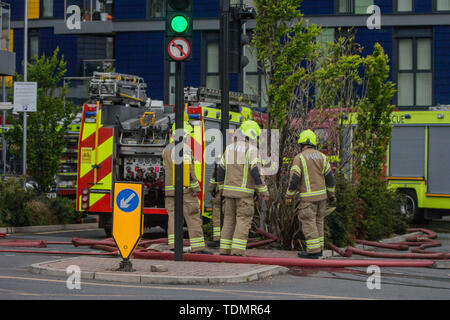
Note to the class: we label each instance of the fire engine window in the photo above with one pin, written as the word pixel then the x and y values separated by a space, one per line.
pixel 407 152
pixel 438 153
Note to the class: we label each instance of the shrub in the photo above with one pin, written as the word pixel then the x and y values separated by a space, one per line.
pixel 13 199
pixel 20 207
pixel 39 213
pixel 64 210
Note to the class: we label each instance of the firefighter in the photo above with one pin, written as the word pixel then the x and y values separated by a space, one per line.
pixel 312 177
pixel 216 192
pixel 191 190
pixel 239 173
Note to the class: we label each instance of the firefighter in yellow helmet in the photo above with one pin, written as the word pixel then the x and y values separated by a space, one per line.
pixel 191 190
pixel 312 179
pixel 239 177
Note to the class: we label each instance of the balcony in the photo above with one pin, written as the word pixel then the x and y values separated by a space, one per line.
pixel 7 58
pixel 94 17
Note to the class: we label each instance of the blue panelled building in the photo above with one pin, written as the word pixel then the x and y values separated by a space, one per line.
pixel 128 36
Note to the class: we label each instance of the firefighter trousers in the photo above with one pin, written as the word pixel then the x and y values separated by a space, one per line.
pixel 237 220
pixel 216 217
pixel 311 216
pixel 191 213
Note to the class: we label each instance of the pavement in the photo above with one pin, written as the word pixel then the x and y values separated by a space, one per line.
pixel 176 272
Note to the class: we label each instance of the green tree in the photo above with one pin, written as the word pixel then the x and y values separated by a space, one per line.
pixel 47 127
pixel 379 215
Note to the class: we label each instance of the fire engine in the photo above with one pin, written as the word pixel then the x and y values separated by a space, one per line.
pixel 123 134
pixel 416 162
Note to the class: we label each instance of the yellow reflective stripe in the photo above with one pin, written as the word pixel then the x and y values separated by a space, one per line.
pixel 305 169
pixel 331 189
pixel 315 193
pixel 225 244
pixel 244 179
pixel 194 185
pixel 296 169
pixel 262 189
pixel 326 165
pixel 169 188
pixel 232 188
pixel 291 193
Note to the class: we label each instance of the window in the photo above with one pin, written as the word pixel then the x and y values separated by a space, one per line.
pixel 442 5
pixel 47 8
pixel 414 72
pixel 255 81
pixel 404 6
pixel 212 66
pixel 155 9
pixel 33 45
pixel 353 6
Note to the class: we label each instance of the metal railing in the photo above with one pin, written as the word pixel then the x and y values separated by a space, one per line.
pixel 92 10
pixel 5 25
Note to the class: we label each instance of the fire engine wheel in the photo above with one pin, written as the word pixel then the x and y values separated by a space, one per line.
pixel 409 206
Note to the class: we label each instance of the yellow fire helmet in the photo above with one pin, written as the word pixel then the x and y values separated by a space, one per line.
pixel 250 129
pixel 308 137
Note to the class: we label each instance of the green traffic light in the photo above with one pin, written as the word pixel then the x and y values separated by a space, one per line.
pixel 179 24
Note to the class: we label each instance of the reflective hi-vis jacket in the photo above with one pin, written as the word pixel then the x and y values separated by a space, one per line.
pixel 241 167
pixel 168 156
pixel 311 176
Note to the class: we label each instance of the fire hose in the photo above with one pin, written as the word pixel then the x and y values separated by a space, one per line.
pixel 421 242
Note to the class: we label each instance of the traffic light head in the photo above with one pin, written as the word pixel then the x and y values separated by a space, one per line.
pixel 179 25
pixel 179 18
pixel 239 15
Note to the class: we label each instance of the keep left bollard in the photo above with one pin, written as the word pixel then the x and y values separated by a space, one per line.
pixel 127 220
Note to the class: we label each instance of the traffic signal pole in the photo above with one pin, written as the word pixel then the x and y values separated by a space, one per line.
pixel 224 71
pixel 179 124
pixel 224 77
pixel 178 40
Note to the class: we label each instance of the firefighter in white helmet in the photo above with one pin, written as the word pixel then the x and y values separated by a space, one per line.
pixel 191 190
pixel 239 177
pixel 312 178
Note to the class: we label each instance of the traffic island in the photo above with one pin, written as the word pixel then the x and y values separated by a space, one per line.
pixel 157 271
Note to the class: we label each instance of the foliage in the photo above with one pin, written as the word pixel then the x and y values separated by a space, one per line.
pixel 46 127
pixel 314 85
pixel 25 207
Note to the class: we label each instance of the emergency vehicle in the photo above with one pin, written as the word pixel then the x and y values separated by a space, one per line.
pixel 123 134
pixel 417 161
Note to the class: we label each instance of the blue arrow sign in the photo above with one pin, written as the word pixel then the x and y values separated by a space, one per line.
pixel 127 200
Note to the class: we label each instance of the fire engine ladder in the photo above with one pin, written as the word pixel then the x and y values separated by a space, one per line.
pixel 113 88
pixel 202 94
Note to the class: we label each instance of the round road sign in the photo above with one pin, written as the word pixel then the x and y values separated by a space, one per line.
pixel 179 49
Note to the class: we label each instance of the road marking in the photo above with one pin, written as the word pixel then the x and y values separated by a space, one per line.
pixel 52 232
pixel 302 295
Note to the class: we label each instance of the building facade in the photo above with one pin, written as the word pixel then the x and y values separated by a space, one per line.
pixel 128 36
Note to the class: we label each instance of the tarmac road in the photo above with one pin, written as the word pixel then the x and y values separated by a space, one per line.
pixel 17 283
